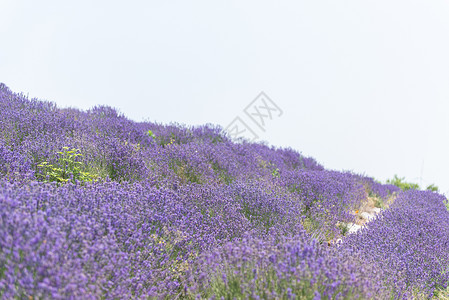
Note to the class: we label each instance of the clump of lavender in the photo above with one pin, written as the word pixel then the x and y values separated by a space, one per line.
pixel 328 197
pixel 409 242
pixel 282 268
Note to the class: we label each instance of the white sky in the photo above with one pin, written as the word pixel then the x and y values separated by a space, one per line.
pixel 363 85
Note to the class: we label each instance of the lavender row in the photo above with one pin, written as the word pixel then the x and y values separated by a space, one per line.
pixel 281 267
pixel 33 131
pixel 128 239
pixel 409 242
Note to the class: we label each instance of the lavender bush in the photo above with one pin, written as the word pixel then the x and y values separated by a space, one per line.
pixel 409 242
pixel 282 268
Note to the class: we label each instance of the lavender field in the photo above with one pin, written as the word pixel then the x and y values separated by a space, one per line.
pixel 96 206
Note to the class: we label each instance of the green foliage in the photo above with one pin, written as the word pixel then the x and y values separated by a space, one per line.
pixel 432 188
pixel 151 134
pixel 275 173
pixel 67 168
pixel 400 183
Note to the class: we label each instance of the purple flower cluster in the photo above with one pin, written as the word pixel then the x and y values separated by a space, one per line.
pixel 380 190
pixel 409 242
pixel 328 197
pixel 283 268
pixel 176 206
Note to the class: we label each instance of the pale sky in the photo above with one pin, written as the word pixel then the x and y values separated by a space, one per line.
pixel 363 85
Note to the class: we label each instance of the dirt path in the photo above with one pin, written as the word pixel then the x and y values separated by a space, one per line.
pixel 367 212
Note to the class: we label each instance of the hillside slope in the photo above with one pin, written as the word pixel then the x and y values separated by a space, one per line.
pixel 94 205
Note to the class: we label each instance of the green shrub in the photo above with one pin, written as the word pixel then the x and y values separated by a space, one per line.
pixel 432 188
pixel 400 183
pixel 67 168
